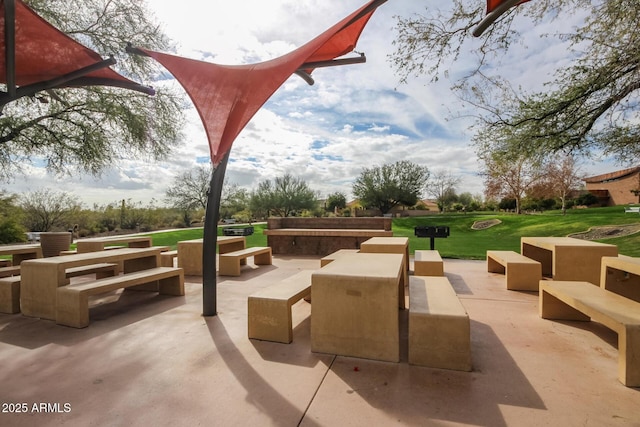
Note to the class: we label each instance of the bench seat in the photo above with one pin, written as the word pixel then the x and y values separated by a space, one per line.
pixel 231 262
pixel 568 300
pixel 12 270
pixel 10 294
pixel 167 257
pixel 72 301
pixel 439 326
pixel 269 310
pixel 428 263
pixel 521 273
pixel 10 286
pixel 337 254
pixel 101 270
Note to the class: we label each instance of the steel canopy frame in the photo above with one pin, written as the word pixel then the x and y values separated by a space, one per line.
pixel 495 9
pixel 227 97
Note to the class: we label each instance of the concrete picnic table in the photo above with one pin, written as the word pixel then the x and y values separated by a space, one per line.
pixel 355 306
pixel 41 277
pixel 190 252
pixel 20 253
pixel 567 258
pixel 99 243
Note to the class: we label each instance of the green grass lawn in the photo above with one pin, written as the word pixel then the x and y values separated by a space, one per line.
pixel 467 243
pixel 171 238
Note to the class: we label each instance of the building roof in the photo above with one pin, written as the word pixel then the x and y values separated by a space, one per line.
pixel 611 176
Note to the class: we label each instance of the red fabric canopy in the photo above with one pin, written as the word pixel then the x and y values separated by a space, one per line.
pixel 227 97
pixel 493 4
pixel 42 56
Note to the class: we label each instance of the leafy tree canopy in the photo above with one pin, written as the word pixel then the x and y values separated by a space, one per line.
pixel 88 129
pixel 590 107
pixel 48 210
pixel 336 200
pixel 284 196
pixel 190 189
pixel 390 185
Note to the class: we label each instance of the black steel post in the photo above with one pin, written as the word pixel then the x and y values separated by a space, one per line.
pixel 210 240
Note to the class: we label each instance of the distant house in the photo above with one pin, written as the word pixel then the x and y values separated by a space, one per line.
pixel 616 188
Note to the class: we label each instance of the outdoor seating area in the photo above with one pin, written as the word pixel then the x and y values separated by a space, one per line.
pixel 374 315
pixel 322 315
pixel 518 373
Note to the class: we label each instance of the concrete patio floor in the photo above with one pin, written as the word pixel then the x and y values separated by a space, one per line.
pixel 149 360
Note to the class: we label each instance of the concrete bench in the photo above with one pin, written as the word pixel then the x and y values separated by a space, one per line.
pixel 230 262
pixel 521 273
pixel 427 263
pixel 12 270
pixel 269 310
pixel 337 254
pixel 72 301
pixel 439 326
pixel 10 294
pixel 167 257
pixel 101 270
pixel 632 209
pixel 565 300
pixel 10 285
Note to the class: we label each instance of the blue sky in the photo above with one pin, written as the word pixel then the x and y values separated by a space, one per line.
pixel 354 116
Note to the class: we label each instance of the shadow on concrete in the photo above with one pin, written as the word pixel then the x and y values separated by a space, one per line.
pixel 259 392
pixel 421 393
pixel 107 313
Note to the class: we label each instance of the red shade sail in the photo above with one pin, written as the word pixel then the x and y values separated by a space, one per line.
pixel 36 56
pixel 227 97
pixel 493 4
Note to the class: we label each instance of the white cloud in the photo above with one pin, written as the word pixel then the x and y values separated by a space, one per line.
pixel 353 116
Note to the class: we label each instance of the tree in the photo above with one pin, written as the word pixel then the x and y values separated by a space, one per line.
pixel 48 210
pixel 390 185
pixel 283 197
pixel 510 177
pixel 10 217
pixel 336 200
pixel 441 186
pixel 564 176
pixel 88 129
pixel 234 199
pixel 590 107
pixel 190 191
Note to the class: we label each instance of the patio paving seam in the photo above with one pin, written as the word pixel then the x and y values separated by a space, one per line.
pixel 304 414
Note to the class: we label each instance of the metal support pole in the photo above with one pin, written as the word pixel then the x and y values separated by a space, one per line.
pixel 210 240
pixel 493 16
